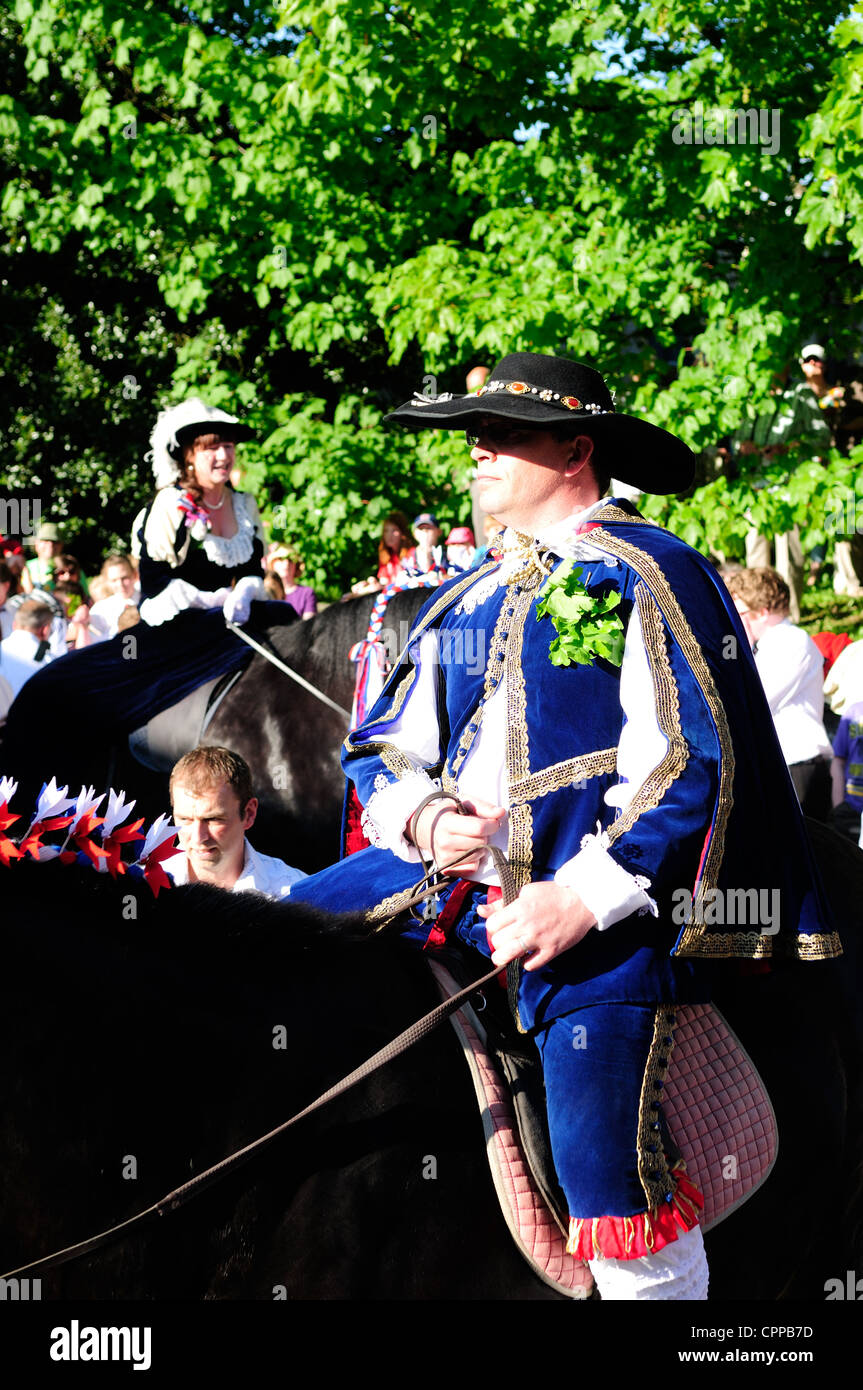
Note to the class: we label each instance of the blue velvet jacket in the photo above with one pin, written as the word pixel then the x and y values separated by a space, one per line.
pixel 716 817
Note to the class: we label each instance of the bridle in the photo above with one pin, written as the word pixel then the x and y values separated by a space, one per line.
pixel 282 666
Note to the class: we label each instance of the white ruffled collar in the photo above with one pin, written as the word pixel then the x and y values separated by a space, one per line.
pixel 237 549
pixel 560 538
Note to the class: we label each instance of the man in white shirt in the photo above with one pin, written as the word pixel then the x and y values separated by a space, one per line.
pixel 27 648
pixel 213 807
pixel 792 673
pixel 118 572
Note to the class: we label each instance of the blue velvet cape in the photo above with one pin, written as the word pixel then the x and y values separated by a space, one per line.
pixel 715 820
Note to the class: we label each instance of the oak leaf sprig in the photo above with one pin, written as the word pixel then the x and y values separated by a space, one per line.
pixel 586 624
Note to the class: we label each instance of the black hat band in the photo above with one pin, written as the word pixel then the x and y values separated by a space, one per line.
pixel 543 393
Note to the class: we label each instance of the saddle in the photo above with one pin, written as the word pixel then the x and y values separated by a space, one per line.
pixel 715 1106
pixel 167 736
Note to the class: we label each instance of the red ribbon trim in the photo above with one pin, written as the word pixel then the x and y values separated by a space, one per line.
pixel 631 1237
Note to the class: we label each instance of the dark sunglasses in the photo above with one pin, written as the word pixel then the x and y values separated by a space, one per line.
pixel 497 434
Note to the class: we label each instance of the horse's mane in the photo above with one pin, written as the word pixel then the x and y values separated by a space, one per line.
pixel 195 913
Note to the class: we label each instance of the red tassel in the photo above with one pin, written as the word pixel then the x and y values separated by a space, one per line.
pixel 630 1237
pixel 355 836
pixel 448 914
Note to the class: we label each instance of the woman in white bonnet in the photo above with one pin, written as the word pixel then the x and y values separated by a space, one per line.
pixel 200 546
pixel 199 537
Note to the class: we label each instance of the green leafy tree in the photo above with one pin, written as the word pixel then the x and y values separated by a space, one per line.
pixel 305 214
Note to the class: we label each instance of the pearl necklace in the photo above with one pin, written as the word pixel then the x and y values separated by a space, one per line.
pixel 217 507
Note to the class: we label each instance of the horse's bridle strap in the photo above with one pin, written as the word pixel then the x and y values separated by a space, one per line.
pixel 282 666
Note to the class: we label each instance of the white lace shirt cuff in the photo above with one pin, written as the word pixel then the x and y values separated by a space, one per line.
pixel 389 809
pixel 606 889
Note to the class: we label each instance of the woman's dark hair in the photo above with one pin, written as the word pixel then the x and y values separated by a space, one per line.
pixel 385 555
pixel 66 562
pixel 66 590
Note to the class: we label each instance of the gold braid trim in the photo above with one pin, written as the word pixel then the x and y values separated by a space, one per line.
pixel 518 765
pixel 565 774
pixel 818 945
pixel 493 676
pixel 692 939
pixel 653 1167
pixel 400 696
pixel 611 513
pixel 753 945
pixel 676 756
pixel 695 941
pixel 517 737
pixel 390 907
pixel 395 760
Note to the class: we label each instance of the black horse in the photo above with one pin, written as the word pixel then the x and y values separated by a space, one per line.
pixel 290 739
pixel 144 1040
pixel 140 1049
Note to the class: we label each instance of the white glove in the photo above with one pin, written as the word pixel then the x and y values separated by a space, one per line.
pixel 177 596
pixel 238 604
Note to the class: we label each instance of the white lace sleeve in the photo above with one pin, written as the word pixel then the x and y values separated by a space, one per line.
pixel 389 809
pixel 603 886
pixel 412 741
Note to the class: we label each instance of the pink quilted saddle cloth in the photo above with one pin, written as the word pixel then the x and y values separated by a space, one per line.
pixel 716 1107
pixel 719 1112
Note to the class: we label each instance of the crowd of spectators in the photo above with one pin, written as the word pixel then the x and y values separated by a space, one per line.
pixel 419 549
pixel 804 420
pixel 49 607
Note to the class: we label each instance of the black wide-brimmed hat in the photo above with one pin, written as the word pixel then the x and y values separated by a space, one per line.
pixel 545 391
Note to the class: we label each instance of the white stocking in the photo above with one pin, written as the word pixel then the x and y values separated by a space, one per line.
pixel 677 1271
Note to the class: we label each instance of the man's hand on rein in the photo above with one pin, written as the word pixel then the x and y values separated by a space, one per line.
pixel 443 833
pixel 545 920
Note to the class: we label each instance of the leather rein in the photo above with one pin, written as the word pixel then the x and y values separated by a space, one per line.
pixel 427 887
pixel 282 666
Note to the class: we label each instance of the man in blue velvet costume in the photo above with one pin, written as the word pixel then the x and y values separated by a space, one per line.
pixel 628 794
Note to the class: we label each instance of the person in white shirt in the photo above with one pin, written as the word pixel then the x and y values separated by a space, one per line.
pixel 7 695
pixel 122 580
pixel 792 673
pixel 213 807
pixel 27 648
